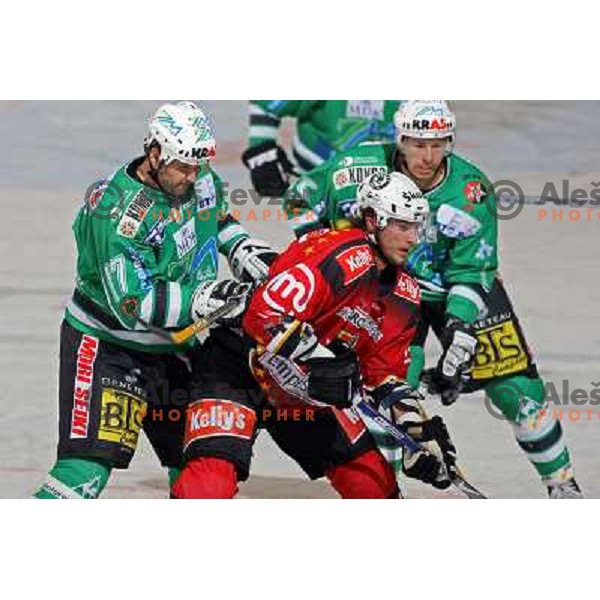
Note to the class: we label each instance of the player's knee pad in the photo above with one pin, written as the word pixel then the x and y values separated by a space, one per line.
pixel 208 478
pixel 366 476
pixel 75 478
pixel 517 397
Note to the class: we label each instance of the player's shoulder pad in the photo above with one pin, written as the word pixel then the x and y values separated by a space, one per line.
pixel 467 171
pixel 345 258
pixel 472 186
pixel 365 154
pixel 354 166
pixel 134 214
pixel 131 202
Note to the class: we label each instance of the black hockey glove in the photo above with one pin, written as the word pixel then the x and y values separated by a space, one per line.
pixel 401 402
pixel 334 380
pixel 451 373
pixel 270 168
pixel 419 465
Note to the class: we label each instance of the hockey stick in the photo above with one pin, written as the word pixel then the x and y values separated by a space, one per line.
pixel 183 335
pixel 409 444
pixel 466 488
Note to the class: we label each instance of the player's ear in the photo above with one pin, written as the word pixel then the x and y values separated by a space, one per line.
pixel 153 154
pixel 370 224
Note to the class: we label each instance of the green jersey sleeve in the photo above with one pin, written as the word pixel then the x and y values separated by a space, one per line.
pixel 472 258
pixel 230 231
pixel 305 202
pixel 266 115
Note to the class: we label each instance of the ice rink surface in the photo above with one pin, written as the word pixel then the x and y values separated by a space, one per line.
pixel 52 151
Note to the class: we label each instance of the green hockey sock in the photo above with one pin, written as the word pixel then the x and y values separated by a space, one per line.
pixel 75 478
pixel 522 401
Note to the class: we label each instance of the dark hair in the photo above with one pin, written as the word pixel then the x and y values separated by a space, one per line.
pixel 359 221
pixel 152 144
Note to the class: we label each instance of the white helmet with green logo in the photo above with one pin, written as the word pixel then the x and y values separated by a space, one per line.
pixel 427 120
pixel 183 132
pixel 392 196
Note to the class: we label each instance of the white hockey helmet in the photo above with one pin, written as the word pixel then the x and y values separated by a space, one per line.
pixel 392 196
pixel 183 132
pixel 427 120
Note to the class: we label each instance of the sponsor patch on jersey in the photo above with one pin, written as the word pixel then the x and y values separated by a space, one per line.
pixel 354 175
pixel 84 375
pixel 208 418
pixel 284 372
pixel 206 193
pixel 365 109
pixel 355 262
pixel 185 239
pixel 361 320
pixel 127 383
pixel 455 223
pixel 341 179
pixel 408 288
pixel 121 418
pixel 134 215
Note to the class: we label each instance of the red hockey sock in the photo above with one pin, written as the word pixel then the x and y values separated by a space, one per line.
pixel 367 476
pixel 205 477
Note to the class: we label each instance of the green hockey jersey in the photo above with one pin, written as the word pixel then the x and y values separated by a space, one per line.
pixel 324 127
pixel 458 249
pixel 140 262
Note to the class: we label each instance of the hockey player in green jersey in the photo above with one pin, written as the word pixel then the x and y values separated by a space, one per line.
pixel 323 128
pixel 148 241
pixel 456 264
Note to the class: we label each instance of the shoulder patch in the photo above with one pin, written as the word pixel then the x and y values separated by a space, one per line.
pixel 355 262
pixel 474 192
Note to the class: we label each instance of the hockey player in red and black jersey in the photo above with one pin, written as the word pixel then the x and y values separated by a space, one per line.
pixel 334 319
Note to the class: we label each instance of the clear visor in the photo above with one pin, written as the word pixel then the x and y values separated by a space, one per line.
pixel 418 228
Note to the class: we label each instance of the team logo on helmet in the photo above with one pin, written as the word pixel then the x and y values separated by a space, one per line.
pixel 380 180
